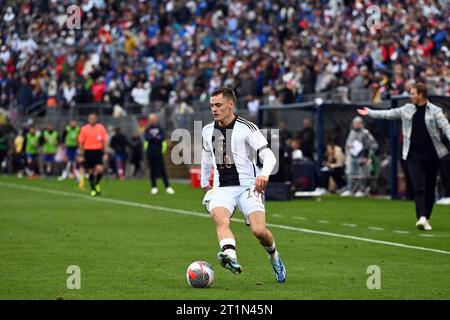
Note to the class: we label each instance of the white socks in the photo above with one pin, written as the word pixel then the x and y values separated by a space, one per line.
pixel 272 251
pixel 228 246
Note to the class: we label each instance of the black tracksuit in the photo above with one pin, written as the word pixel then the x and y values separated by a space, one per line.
pixel 155 135
pixel 423 163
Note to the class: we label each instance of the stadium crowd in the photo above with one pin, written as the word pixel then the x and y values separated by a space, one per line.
pixel 170 51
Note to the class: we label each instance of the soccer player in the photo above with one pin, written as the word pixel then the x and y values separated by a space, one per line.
pixel 70 138
pixel 228 143
pixel 49 141
pixel 93 146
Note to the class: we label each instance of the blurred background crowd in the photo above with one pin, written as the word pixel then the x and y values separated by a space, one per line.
pixel 271 52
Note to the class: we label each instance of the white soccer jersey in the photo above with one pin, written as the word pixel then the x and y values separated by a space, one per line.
pixel 232 150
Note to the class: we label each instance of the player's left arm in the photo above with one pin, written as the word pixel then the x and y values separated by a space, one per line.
pixel 269 161
pixel 258 143
pixel 443 123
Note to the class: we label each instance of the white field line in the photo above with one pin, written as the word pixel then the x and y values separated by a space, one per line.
pixel 376 228
pixel 351 225
pixel 401 232
pixel 204 215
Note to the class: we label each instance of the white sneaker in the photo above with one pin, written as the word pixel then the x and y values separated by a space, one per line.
pixel 169 190
pixel 443 201
pixel 421 223
pixel 428 226
pixel 346 193
pixel 154 191
pixel 359 194
pixel 320 191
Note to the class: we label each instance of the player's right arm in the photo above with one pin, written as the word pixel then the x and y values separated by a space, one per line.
pixel 259 144
pixel 392 114
pixel 207 162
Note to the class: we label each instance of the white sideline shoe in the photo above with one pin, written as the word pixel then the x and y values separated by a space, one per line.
pixel 421 223
pixel 346 193
pixel 154 191
pixel 359 194
pixel 428 226
pixel 169 190
pixel 443 201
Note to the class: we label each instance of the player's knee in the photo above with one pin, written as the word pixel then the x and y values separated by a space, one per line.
pixel 259 231
pixel 222 219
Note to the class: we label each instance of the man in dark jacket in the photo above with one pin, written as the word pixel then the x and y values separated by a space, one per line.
pixel 136 153
pixel 119 144
pixel 154 136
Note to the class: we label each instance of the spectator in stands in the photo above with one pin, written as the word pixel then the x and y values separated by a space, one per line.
pixel 297 153
pixel 296 48
pixel 69 92
pixel 82 94
pixel 98 90
pixel 160 92
pixel 357 165
pixel 141 94
pixel 285 133
pixel 52 99
pixel 307 136
pixel 359 84
pixel 333 167
pixel 25 94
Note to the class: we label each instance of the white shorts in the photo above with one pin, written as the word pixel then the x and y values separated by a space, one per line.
pixel 243 197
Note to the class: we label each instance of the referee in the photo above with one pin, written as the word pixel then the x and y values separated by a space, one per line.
pixel 422 146
pixel 93 151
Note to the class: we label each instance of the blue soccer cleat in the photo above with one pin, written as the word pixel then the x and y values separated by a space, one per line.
pixel 279 269
pixel 229 263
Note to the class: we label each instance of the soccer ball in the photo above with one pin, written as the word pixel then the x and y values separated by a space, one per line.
pixel 200 274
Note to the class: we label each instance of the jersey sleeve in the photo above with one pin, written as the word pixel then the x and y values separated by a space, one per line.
pixel 256 140
pixel 259 143
pixel 207 158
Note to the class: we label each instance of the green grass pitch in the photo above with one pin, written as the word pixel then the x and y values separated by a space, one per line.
pixel 131 245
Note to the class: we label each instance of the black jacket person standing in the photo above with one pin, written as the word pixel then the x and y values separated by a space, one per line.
pixel 422 146
pixel 154 136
